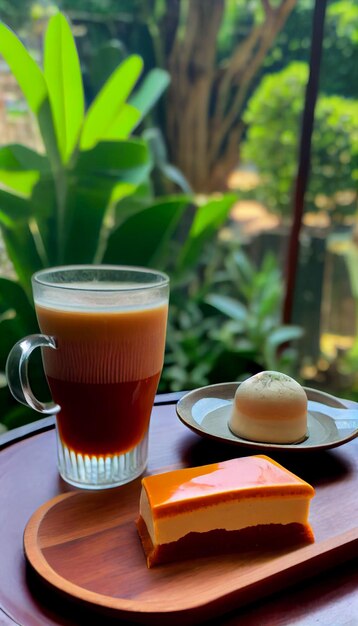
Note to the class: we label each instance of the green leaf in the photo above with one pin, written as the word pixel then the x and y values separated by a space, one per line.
pixel 155 140
pixel 116 161
pixel 18 158
pixel 283 334
pixel 143 238
pixel 24 68
pixel 209 217
pixel 173 174
pixel 64 82
pixel 13 209
pixel 48 134
pixel 17 317
pixel 23 254
pixel 151 89
pixel 276 338
pixel 7 402
pixel 89 199
pixel 102 175
pixel 18 416
pixel 87 204
pixel 22 182
pixel 104 110
pixel 120 191
pixel 158 150
pixel 140 199
pixel 13 296
pixel 123 124
pixel 244 265
pixel 119 166
pixel 228 306
pixel 20 168
pixel 44 211
pixel 268 302
pixel 33 85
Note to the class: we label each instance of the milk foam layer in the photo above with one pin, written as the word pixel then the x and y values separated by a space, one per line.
pixel 104 301
pixel 104 346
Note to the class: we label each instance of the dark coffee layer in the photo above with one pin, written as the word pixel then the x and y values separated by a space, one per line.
pixel 103 419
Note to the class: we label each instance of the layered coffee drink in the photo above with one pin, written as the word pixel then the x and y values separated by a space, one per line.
pixel 104 374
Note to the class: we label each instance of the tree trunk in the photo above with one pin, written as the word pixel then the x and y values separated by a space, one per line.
pixel 192 67
pixel 206 101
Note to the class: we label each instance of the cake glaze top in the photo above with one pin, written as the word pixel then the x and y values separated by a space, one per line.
pixel 192 488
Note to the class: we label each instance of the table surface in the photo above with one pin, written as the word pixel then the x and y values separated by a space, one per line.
pixel 28 478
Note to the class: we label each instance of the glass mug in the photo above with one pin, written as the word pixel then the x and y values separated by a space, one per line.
pixel 103 344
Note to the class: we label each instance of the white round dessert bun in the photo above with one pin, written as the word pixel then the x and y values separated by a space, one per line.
pixel 270 407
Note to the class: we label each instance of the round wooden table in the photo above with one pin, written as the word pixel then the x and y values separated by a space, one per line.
pixel 324 594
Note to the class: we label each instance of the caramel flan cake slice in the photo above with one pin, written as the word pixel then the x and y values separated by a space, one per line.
pixel 237 505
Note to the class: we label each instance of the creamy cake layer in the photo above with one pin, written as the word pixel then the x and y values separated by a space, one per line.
pixel 229 516
pixel 268 429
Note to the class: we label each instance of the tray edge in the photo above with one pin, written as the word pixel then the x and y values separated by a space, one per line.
pixel 282 572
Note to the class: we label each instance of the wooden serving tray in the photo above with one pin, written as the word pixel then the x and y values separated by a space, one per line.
pixel 85 545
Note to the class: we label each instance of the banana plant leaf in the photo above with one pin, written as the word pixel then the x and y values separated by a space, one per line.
pixel 13 209
pixel 143 238
pixel 13 298
pixel 64 83
pixel 103 113
pixel 33 85
pixel 18 158
pixel 116 160
pixel 103 175
pixel 24 68
pixel 152 88
pixel 22 251
pixel 17 319
pixel 209 217
pixel 20 168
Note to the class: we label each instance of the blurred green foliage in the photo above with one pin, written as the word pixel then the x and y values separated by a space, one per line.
pixel 15 14
pixel 224 315
pixel 89 197
pixel 338 73
pixel 350 359
pixel 229 327
pixel 132 25
pixel 274 116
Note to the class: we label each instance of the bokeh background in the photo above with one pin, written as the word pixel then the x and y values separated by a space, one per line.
pixel 221 96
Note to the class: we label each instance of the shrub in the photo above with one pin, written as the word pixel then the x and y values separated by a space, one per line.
pixel 274 118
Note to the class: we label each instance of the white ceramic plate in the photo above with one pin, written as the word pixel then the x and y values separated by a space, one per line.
pixel 331 421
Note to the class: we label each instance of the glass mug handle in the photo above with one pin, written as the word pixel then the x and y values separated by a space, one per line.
pixel 17 372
